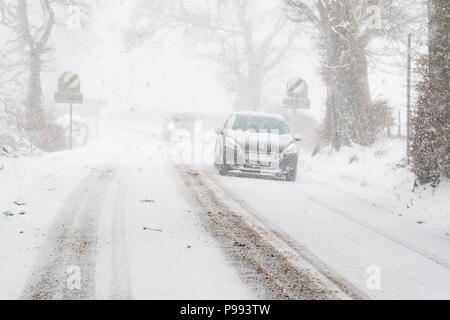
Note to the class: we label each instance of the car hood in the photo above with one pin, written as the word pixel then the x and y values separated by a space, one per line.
pixel 265 141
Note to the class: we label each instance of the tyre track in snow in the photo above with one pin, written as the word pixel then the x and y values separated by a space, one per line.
pixel 121 283
pixel 300 250
pixel 71 241
pixel 373 229
pixel 269 261
pixel 295 191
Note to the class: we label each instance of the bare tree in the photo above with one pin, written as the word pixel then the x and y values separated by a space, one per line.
pixel 34 38
pixel 246 41
pixel 345 29
pixel 29 25
pixel 29 42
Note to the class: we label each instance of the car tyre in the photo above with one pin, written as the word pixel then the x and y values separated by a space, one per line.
pixel 223 170
pixel 291 176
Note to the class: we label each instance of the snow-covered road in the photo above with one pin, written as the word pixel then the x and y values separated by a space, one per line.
pixel 352 237
pixel 114 215
pixel 118 216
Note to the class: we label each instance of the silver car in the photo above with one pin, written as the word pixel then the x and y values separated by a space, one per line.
pixel 257 143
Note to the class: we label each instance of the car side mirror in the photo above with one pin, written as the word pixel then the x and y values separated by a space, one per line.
pixel 297 138
pixel 219 131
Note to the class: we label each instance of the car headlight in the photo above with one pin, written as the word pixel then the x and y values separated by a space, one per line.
pixel 231 143
pixel 291 149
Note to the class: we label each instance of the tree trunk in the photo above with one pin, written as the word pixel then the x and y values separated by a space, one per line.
pixel 34 44
pixel 35 115
pixel 348 116
pixel 249 95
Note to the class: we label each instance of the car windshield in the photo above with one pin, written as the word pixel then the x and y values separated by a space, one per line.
pixel 260 123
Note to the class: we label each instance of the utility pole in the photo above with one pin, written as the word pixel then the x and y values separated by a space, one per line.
pixel 408 100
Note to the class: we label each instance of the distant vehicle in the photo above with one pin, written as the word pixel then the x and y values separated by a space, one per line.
pixel 257 143
pixel 178 123
pixel 181 125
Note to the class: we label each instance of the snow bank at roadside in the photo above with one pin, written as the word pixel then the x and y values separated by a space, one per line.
pixel 13 145
pixel 379 175
pixel 33 189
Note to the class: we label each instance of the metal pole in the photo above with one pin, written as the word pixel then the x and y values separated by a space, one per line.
pixel 294 130
pixel 70 126
pixel 293 115
pixel 408 100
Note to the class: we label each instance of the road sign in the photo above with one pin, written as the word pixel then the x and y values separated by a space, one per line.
pixel 69 85
pixel 297 103
pixel 297 98
pixel 69 91
pixel 297 94
pixel 69 98
pixel 297 88
pixel 72 81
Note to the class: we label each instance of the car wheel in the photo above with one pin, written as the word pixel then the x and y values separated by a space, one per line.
pixel 291 176
pixel 223 170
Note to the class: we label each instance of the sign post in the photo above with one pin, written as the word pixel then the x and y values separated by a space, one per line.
pixel 297 97
pixel 69 85
pixel 70 134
